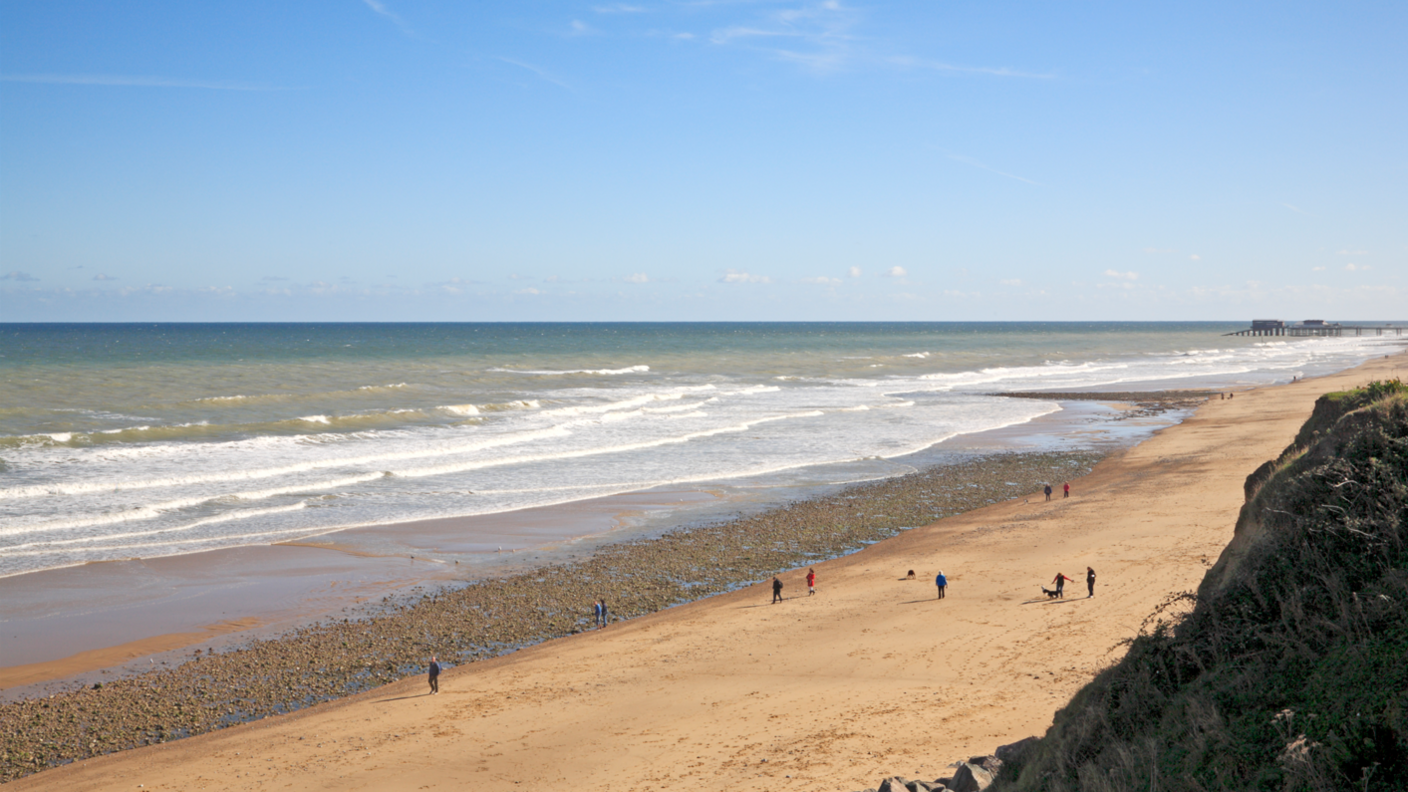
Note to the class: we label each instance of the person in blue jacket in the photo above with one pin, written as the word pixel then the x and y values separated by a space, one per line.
pixel 941 582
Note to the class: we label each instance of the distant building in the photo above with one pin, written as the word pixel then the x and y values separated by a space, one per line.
pixel 1267 324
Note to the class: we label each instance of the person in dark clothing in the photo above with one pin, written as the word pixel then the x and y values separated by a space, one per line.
pixel 434 676
pixel 942 583
pixel 605 614
pixel 1090 580
pixel 1047 490
pixel 597 611
pixel 776 590
pixel 1060 582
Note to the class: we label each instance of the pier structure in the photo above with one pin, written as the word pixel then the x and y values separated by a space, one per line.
pixel 1315 327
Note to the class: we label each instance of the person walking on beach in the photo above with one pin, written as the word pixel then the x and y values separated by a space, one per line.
pixel 1048 492
pixel 1066 490
pixel 1060 582
pixel 434 676
pixel 1090 581
pixel 776 590
pixel 598 610
pixel 811 582
pixel 605 615
pixel 942 583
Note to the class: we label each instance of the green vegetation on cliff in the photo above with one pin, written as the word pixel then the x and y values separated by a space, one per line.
pixel 1291 670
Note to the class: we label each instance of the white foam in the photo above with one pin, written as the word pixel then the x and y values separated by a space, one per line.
pixel 551 373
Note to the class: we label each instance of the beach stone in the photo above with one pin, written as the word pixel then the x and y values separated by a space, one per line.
pixel 923 786
pixel 1017 751
pixel 895 784
pixel 971 778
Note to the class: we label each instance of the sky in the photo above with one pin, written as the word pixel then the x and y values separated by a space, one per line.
pixel 405 160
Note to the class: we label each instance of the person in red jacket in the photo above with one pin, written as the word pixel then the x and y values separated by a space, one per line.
pixel 1060 582
pixel 811 582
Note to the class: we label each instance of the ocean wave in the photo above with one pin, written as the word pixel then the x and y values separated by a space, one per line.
pixel 556 373
pixel 379 461
pixel 249 514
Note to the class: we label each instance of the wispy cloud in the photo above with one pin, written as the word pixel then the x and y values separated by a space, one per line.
pixel 976 164
pixel 737 276
pixel 1195 257
pixel 1122 275
pixel 546 76
pixel 1352 253
pixel 822 280
pixel 620 8
pixel 816 36
pixel 1351 267
pixel 102 277
pixel 18 276
pixel 636 277
pixel 895 272
pixel 1297 209
pixel 580 28
pixel 131 81
pixel 380 8
pixel 854 272
pixel 1011 282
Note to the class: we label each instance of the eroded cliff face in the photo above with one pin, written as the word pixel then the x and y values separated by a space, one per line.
pixel 1291 670
pixel 1336 419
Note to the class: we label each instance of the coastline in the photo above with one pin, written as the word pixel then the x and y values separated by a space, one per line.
pixel 78 626
pixel 864 680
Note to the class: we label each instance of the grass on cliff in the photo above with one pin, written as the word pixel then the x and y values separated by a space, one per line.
pixel 1291 670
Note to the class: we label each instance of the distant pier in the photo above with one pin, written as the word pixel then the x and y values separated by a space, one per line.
pixel 1315 327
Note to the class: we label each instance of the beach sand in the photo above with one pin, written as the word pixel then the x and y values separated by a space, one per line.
pixel 873 676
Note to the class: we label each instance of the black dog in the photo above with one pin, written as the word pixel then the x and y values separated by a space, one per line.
pixel 1050 593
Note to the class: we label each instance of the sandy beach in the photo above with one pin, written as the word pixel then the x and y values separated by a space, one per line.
pixel 873 676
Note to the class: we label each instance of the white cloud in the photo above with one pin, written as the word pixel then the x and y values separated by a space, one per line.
pixel 636 277
pixel 18 276
pixel 529 290
pixel 1352 253
pixel 855 272
pixel 1357 267
pixel 102 277
pixel 735 276
pixel 1011 282
pixel 895 272
pixel 620 8
pixel 1122 275
pixel 580 28
pixel 822 281
pixel 1296 209
pixel 1196 257
pixel 1317 269
pixel 550 279
pixel 1159 250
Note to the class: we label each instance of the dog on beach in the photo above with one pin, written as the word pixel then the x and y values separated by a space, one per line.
pixel 1050 593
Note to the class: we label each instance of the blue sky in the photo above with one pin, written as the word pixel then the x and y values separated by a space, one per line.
pixel 724 160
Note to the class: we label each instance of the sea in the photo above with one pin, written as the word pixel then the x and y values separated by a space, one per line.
pixel 122 441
